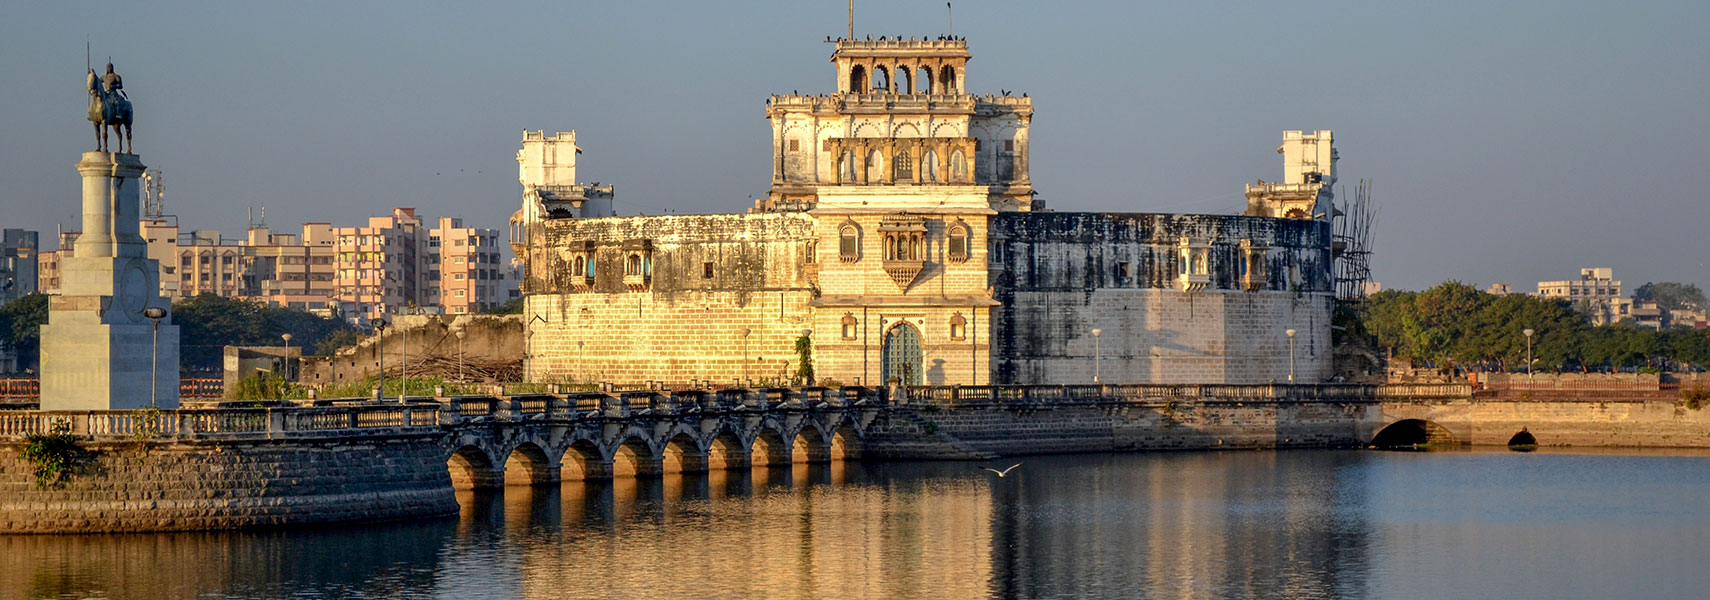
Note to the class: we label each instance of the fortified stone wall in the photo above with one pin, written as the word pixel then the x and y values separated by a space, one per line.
pixel 206 485
pixel 633 299
pixel 1178 298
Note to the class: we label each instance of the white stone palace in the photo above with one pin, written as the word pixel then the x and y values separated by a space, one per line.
pixel 901 234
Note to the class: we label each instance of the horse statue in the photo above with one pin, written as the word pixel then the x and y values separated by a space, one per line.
pixel 109 107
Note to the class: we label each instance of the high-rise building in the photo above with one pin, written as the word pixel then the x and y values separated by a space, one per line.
pixel 1596 291
pixel 466 272
pixel 380 265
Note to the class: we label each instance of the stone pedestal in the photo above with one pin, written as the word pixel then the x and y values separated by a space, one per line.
pixel 99 351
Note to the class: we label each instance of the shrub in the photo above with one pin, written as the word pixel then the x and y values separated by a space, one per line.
pixel 54 455
pixel 1695 398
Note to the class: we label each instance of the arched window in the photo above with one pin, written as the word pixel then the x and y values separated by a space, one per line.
pixel 857 79
pixel 849 242
pixel 929 167
pixel 958 167
pixel 881 79
pixel 925 80
pixel 848 166
pixel 634 265
pixel 958 242
pixel 947 79
pixel 958 327
pixel 875 166
pixel 905 83
pixel 902 169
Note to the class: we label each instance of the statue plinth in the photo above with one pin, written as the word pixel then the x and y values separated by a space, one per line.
pixel 98 347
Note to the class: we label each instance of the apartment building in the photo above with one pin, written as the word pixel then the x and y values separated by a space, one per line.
pixel 379 266
pixel 466 272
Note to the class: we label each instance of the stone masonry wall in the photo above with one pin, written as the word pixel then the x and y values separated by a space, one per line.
pixel 703 280
pixel 1058 276
pixel 132 487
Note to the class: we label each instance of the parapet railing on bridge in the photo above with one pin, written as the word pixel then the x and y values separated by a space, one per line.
pixel 235 424
pixel 363 417
pixel 188 387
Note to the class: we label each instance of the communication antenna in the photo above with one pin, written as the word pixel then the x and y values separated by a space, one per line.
pixel 851 20
pixel 88 62
pixel 952 13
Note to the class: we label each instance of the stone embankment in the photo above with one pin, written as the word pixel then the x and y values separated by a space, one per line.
pixel 195 470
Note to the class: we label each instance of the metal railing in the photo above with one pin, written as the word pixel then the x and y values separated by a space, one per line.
pixel 189 387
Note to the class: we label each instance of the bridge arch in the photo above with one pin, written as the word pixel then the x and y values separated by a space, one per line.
pixel 726 452
pixel 472 468
pixel 845 444
pixel 1414 432
pixel 633 457
pixel 582 461
pixel 770 449
pixel 683 455
pixel 529 464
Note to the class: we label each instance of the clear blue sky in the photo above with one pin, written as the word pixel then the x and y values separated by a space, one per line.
pixel 1508 141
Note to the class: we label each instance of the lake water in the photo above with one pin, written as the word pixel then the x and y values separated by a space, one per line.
pixel 1253 524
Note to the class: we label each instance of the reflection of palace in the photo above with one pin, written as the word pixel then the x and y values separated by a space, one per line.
pixel 902 233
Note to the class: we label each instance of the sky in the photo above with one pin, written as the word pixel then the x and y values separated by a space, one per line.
pixel 1505 141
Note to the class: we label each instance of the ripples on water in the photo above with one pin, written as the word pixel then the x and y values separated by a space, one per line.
pixel 1299 524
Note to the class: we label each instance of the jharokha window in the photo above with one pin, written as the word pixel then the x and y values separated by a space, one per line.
pixel 849 326
pixel 849 242
pixel 958 245
pixel 958 327
pixel 902 167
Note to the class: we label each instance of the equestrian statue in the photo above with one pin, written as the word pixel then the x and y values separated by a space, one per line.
pixel 109 106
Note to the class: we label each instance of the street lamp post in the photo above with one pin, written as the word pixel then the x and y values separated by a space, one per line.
pixel 1098 353
pixel 380 330
pixel 1528 331
pixel 287 338
pixel 154 313
pixel 404 361
pixel 461 333
pixel 745 332
pixel 1290 333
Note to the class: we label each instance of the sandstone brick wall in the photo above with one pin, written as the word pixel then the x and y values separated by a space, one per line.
pixel 219 486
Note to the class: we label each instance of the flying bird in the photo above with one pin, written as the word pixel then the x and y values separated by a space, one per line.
pixel 1003 472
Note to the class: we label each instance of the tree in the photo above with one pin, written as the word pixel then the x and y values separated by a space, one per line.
pixel 208 323
pixel 514 306
pixel 1670 295
pixel 21 323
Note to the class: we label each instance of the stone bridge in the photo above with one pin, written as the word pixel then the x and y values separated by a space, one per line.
pixel 350 460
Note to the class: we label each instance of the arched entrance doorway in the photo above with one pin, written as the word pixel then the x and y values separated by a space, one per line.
pixel 902 355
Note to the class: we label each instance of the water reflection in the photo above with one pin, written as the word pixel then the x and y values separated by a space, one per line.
pixel 1191 525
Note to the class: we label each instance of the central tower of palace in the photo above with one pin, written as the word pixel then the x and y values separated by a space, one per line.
pixel 901 117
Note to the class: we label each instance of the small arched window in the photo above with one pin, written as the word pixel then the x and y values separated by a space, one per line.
pixel 947 79
pixel 958 167
pixel 929 167
pixel 858 79
pixel 848 166
pixel 958 327
pixel 849 243
pixel 875 166
pixel 634 265
pixel 902 169
pixel 905 83
pixel 926 80
pixel 958 235
pixel 881 79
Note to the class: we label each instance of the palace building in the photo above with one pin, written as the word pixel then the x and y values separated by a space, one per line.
pixel 902 237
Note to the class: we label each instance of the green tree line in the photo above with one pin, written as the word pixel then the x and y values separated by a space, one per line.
pixel 1454 323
